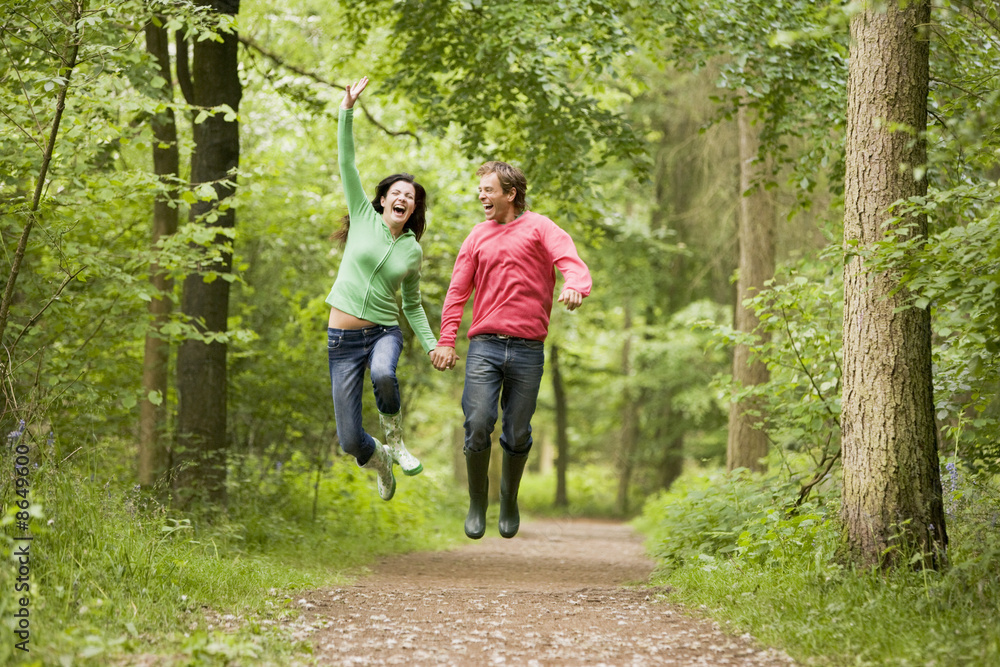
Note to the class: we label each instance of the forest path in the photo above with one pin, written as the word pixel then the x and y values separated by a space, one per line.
pixel 563 592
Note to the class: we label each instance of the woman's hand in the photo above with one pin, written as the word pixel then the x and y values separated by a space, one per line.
pixel 443 358
pixel 353 92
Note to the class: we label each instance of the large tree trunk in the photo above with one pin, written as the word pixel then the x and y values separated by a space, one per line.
pixel 748 443
pixel 152 459
pixel 562 440
pixel 200 456
pixel 892 487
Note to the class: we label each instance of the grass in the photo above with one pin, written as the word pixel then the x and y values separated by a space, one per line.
pixel 591 491
pixel 114 574
pixel 758 570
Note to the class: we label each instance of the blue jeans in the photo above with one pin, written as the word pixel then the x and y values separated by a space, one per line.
pixel 508 370
pixel 351 351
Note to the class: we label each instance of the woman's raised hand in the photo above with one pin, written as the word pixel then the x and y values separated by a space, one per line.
pixel 353 92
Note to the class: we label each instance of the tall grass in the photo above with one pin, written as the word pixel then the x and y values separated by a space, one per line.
pixel 115 573
pixel 725 543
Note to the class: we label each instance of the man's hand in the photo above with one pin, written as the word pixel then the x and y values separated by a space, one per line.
pixel 443 357
pixel 571 298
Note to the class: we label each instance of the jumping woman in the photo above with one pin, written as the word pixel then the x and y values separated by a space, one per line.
pixel 382 255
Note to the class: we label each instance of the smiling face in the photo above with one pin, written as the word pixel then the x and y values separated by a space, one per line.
pixel 398 204
pixel 497 204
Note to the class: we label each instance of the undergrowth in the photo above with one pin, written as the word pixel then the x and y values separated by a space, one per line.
pixel 591 491
pixel 727 544
pixel 115 575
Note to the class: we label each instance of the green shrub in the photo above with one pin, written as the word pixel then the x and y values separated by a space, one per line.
pixel 777 575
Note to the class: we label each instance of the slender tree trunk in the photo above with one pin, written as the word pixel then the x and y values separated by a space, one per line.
pixel 562 440
pixel 672 455
pixel 748 443
pixel 630 421
pixel 892 488
pixel 461 473
pixel 8 407
pixel 68 67
pixel 153 459
pixel 200 454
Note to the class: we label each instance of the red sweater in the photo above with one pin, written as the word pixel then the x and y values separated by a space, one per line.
pixel 511 267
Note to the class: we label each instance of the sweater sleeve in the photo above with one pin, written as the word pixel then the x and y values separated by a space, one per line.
pixel 563 252
pixel 413 309
pixel 459 291
pixel 358 206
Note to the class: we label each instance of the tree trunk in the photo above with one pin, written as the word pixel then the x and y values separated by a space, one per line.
pixel 892 488
pixel 748 443
pixel 562 440
pixel 200 456
pixel 152 460
pixel 630 422
pixel 672 456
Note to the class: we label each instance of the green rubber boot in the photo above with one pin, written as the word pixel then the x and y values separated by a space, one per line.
pixel 478 466
pixel 381 463
pixel 510 481
pixel 393 427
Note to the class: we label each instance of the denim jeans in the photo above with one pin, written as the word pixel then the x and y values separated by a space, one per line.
pixel 508 370
pixel 351 351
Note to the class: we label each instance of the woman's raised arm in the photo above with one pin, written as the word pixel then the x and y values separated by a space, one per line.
pixel 353 92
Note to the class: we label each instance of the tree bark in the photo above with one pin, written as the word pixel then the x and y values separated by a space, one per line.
pixel 747 443
pixel 892 500
pixel 562 440
pixel 153 458
pixel 671 463
pixel 629 438
pixel 200 454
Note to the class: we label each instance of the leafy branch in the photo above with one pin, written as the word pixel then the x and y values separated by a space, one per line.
pixel 22 244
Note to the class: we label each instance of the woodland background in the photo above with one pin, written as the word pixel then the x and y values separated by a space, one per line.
pixel 168 188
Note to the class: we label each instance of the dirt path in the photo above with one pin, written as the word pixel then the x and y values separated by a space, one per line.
pixel 560 593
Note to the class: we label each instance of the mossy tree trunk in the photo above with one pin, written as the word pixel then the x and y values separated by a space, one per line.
pixel 892 499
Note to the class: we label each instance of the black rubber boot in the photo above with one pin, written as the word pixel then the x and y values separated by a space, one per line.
pixel 510 481
pixel 478 466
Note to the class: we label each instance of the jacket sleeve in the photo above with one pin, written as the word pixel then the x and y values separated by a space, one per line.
pixel 459 291
pixel 358 206
pixel 413 310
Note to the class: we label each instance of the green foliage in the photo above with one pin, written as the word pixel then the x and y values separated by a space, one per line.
pixel 799 339
pixel 520 81
pixel 114 574
pixel 591 490
pixel 780 578
pixel 703 517
pixel 790 63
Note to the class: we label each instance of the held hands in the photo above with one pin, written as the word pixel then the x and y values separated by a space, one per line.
pixel 443 357
pixel 571 298
pixel 353 92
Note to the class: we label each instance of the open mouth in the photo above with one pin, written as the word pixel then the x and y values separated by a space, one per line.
pixel 399 210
